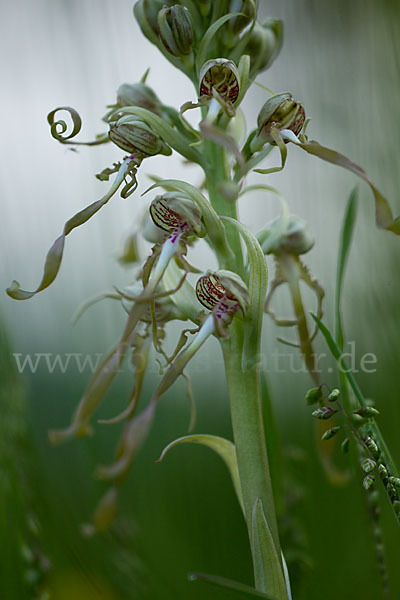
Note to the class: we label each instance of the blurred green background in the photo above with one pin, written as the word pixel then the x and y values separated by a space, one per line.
pixel 342 61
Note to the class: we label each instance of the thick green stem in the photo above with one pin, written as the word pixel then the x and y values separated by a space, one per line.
pixel 249 435
pixel 217 171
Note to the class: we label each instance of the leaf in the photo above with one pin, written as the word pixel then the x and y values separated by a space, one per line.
pixel 214 226
pixel 223 447
pixel 169 135
pixel 208 38
pixel 257 290
pixel 383 213
pixel 267 567
pixel 55 254
pixel 240 589
pixel 344 248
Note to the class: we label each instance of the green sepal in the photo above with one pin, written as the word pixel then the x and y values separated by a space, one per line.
pixel 268 573
pixel 223 447
pixel 383 213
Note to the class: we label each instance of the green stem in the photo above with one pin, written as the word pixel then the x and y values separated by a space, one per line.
pixel 217 171
pixel 249 434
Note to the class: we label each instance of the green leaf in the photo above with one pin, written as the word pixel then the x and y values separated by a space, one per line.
pixel 208 37
pixel 55 254
pixel 169 135
pixel 223 447
pixel 344 249
pixel 258 281
pixel 383 213
pixel 268 572
pixel 239 589
pixel 214 226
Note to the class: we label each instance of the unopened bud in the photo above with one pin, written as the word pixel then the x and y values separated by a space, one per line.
pixel 329 433
pixel 368 482
pixel 138 94
pixel 134 136
pixel 248 11
pixel 146 14
pixel 334 395
pixel 313 396
pixel 383 472
pixel 175 30
pixel 264 44
pixel 324 413
pixel 368 465
pixel 295 238
pixel 370 444
pixel 221 75
pixel 395 481
pixel 367 412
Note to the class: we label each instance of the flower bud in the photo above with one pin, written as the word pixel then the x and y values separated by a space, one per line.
pixel 370 444
pixel 395 481
pixel 330 433
pixel 324 413
pixel 138 94
pixel 295 239
pixel 334 395
pixel 170 212
pixel 368 482
pixel 248 11
pixel 146 14
pixel 264 45
pixel 368 465
pixel 175 29
pixel 221 75
pixel 383 472
pixel 313 396
pixel 367 412
pixel 281 112
pixel 134 136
